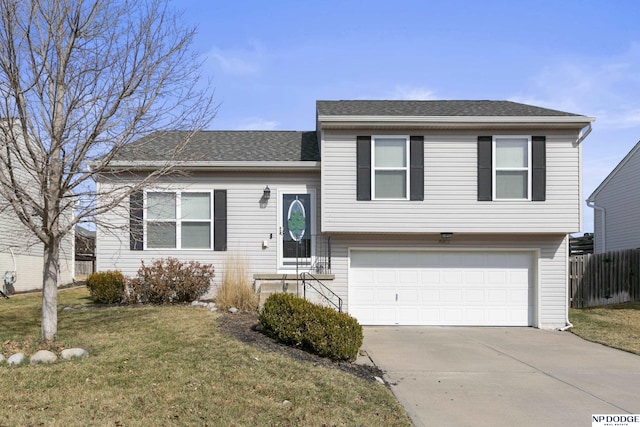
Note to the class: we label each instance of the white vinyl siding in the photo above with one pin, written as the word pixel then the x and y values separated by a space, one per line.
pixel 251 221
pixel 620 197
pixel 450 190
pixel 21 250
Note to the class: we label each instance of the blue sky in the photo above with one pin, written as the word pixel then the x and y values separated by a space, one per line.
pixel 270 61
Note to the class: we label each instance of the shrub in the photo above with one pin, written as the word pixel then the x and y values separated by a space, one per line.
pixel 168 281
pixel 236 289
pixel 321 330
pixel 106 287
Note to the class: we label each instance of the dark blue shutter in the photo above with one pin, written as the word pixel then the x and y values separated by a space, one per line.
pixel 416 177
pixel 220 220
pixel 485 174
pixel 135 220
pixel 538 168
pixel 363 162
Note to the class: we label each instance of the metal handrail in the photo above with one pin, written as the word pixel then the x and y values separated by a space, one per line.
pixel 320 291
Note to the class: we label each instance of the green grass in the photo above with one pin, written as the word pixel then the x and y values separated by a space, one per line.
pixel 170 365
pixel 616 325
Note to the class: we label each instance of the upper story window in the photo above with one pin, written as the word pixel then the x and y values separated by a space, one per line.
pixel 390 172
pixel 390 167
pixel 512 167
pixel 178 220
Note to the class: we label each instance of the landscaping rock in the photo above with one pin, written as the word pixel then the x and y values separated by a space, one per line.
pixel 233 310
pixel 16 359
pixel 1 358
pixel 72 353
pixel 196 304
pixel 43 356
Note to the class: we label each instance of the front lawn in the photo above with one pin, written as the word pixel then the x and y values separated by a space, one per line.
pixel 616 325
pixel 170 365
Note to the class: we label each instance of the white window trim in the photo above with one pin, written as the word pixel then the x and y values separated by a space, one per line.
pixel 178 221
pixel 494 167
pixel 406 168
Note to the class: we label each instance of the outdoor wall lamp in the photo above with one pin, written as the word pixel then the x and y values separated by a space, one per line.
pixel 446 235
pixel 267 193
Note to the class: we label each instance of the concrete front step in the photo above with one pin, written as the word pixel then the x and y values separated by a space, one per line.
pixel 267 284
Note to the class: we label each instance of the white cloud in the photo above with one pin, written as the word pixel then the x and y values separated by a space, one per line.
pixel 605 87
pixel 257 123
pixel 405 92
pixel 246 61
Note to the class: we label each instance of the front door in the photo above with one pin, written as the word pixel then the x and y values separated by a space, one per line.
pixel 296 229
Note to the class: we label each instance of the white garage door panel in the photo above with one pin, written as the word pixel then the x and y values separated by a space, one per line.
pixel 441 288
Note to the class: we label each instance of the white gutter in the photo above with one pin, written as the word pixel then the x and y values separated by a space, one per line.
pixel 283 166
pixel 603 220
pixel 459 119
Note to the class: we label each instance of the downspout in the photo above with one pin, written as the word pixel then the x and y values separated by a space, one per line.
pixel 568 324
pixel 591 204
pixel 584 132
pixel 603 221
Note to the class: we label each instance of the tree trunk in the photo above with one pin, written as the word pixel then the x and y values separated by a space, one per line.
pixel 50 292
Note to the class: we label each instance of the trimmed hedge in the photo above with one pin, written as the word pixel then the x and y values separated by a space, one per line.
pixel 317 329
pixel 106 287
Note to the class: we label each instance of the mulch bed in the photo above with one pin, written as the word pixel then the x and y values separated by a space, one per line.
pixel 245 328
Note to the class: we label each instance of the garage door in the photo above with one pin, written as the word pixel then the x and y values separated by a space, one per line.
pixel 441 288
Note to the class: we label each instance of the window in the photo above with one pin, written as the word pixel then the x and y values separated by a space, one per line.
pixel 512 167
pixel 178 220
pixel 390 167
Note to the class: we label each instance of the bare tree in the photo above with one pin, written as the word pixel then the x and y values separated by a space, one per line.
pixel 80 80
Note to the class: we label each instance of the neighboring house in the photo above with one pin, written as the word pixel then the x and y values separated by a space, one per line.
pixel 21 253
pixel 415 212
pixel 616 204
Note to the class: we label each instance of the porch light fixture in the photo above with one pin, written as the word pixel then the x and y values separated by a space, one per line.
pixel 267 193
pixel 446 235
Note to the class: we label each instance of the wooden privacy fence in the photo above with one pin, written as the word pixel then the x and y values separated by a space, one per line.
pixel 607 278
pixel 84 269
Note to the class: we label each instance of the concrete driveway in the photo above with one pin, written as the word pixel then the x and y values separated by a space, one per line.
pixel 474 376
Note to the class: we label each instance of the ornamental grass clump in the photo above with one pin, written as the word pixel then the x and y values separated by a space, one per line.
pixel 169 280
pixel 317 329
pixel 236 289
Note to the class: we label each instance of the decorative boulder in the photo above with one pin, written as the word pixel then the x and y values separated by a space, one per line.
pixel 43 356
pixel 72 353
pixel 16 359
pixel 1 358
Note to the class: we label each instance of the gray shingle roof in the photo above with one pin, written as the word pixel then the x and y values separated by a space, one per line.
pixel 434 109
pixel 225 146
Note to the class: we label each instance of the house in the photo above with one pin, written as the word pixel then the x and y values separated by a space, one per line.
pixel 21 253
pixel 409 212
pixel 616 204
